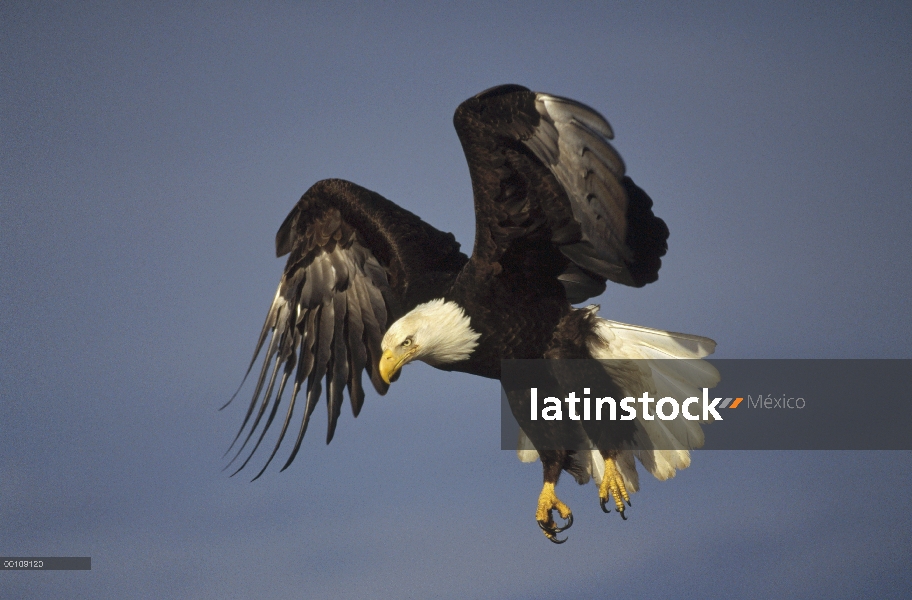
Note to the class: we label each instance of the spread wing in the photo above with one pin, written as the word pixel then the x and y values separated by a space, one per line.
pixel 357 263
pixel 544 171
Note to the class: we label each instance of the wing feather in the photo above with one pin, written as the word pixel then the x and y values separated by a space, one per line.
pixel 357 354
pixel 339 366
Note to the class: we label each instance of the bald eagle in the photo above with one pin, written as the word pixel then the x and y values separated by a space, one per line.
pixel 369 286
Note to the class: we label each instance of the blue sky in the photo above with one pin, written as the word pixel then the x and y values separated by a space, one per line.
pixel 149 152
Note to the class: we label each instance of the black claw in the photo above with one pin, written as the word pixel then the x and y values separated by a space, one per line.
pixel 557 541
pixel 623 516
pixel 567 526
pixel 628 503
pixel 551 530
pixel 602 502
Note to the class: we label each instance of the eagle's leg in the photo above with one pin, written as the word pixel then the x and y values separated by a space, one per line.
pixel 613 483
pixel 549 502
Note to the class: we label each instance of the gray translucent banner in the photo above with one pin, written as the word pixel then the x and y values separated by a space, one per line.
pixel 45 563
pixel 795 404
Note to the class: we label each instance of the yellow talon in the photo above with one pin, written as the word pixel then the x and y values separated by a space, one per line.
pixel 547 502
pixel 613 483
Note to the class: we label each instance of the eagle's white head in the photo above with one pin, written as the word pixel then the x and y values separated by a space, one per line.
pixel 437 332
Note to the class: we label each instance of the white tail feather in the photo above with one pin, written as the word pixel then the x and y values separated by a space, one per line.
pixel 525 450
pixel 663 447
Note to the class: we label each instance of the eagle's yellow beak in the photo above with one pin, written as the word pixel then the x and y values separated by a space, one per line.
pixel 390 363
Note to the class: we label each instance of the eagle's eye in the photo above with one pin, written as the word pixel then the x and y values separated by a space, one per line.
pixel 407 342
